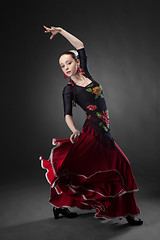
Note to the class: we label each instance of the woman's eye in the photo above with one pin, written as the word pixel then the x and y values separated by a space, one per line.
pixel 69 63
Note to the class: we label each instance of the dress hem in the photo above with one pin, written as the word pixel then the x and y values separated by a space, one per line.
pixel 53 178
pixel 97 215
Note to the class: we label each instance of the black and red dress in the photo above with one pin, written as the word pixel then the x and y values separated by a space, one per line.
pixel 92 173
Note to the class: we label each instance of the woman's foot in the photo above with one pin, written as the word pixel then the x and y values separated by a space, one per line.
pixel 134 221
pixel 64 211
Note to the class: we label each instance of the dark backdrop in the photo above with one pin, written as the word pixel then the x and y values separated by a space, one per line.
pixel 122 43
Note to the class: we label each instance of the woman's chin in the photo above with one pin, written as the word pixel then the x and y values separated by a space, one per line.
pixel 71 75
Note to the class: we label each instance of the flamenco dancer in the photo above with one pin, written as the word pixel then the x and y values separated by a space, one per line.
pixel 88 170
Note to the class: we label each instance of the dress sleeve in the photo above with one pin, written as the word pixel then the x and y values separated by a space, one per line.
pixel 67 99
pixel 84 62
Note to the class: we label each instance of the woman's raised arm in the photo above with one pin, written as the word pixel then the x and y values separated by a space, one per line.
pixel 78 44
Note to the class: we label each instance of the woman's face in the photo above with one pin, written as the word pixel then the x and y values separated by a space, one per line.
pixel 68 64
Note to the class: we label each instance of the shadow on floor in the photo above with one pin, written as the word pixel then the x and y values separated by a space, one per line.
pixel 82 227
pixel 26 214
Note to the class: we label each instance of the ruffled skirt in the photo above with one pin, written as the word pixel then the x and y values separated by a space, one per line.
pixel 91 175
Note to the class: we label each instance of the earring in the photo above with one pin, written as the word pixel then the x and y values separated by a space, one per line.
pixel 65 76
pixel 79 69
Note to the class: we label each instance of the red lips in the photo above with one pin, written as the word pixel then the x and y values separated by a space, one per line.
pixel 68 72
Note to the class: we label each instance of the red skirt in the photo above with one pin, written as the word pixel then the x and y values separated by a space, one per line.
pixel 91 175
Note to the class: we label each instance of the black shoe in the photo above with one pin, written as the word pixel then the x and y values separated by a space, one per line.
pixel 64 211
pixel 133 221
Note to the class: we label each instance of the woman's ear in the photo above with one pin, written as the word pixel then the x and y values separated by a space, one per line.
pixel 78 62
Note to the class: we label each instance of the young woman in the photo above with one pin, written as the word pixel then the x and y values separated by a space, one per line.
pixel 89 170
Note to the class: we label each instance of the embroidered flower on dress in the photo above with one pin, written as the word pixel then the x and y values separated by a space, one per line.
pixel 91 107
pixel 89 116
pixel 104 115
pixel 96 90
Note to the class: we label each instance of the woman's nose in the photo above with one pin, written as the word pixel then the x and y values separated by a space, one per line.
pixel 66 67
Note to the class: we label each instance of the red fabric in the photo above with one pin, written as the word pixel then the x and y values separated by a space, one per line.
pixel 89 175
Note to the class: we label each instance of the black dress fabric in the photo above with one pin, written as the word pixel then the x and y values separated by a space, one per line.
pixel 90 98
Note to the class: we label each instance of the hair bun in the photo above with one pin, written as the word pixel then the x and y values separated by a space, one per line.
pixel 75 53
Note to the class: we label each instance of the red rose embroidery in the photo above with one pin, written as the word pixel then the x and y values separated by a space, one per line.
pixel 105 117
pixel 89 116
pixel 91 107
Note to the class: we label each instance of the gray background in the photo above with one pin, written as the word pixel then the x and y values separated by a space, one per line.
pixel 122 43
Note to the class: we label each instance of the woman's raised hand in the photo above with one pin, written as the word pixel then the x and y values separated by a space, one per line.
pixel 52 30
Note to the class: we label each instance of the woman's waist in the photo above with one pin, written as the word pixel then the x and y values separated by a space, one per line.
pixel 92 128
pixel 98 126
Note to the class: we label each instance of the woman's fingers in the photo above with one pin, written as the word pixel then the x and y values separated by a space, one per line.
pixel 50 30
pixel 74 136
pixel 47 29
pixel 52 36
pixel 71 140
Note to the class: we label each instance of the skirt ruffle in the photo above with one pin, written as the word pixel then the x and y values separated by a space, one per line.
pixel 91 175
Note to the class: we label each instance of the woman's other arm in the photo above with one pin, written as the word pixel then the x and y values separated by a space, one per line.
pixel 78 44
pixel 67 104
pixel 70 122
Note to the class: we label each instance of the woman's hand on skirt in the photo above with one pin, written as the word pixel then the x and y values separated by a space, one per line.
pixel 74 136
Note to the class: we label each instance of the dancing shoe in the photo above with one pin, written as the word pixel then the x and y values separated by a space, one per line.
pixel 64 211
pixel 134 221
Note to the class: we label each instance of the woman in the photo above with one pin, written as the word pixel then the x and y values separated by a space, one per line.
pixel 89 170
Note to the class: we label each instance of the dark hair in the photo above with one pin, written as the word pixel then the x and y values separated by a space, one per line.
pixel 73 55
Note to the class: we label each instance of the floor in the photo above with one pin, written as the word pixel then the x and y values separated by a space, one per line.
pixel 26 214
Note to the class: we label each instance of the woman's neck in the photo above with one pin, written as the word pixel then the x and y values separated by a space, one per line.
pixel 78 78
